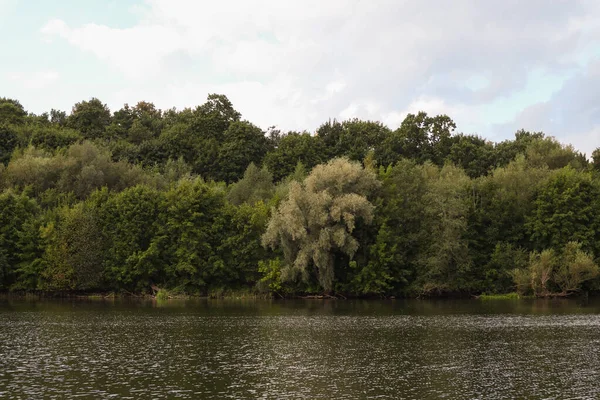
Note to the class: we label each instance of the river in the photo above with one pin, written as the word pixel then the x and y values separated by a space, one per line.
pixel 411 349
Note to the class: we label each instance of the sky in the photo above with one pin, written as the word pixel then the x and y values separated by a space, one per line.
pixel 492 66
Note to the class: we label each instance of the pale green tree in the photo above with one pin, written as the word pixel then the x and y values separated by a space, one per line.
pixel 256 185
pixel 317 219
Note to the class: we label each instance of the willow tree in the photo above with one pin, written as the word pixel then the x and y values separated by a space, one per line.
pixel 317 219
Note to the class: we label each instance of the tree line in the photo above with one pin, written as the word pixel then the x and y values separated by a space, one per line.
pixel 198 201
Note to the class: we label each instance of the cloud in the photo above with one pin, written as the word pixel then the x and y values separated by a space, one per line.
pixel 6 9
pixel 296 64
pixel 572 113
pixel 37 80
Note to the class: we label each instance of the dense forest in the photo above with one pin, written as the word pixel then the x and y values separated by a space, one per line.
pixel 199 201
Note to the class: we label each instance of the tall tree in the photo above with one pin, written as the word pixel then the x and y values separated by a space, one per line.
pixel 11 112
pixel 318 218
pixel 91 118
pixel 243 144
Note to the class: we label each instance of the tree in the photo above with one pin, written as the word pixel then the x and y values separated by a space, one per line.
pixel 192 228
pixel 567 269
pixel 596 160
pixel 445 262
pixel 547 152
pixel 577 267
pixel 49 137
pixel 243 144
pixel 15 211
pixel 130 221
pixel 11 112
pixel 208 126
pixel 91 118
pixel 353 138
pixel 399 214
pixel 58 117
pixel 566 208
pixel 315 224
pixel 75 250
pixel 507 151
pixel 8 142
pixel 473 154
pixel 420 138
pixel 541 268
pixel 256 185
pixel 293 148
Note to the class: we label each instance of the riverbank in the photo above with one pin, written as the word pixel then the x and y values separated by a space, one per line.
pixel 246 294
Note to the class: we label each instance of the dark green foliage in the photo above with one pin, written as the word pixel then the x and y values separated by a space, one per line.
pixel 293 148
pixel 256 185
pixel 190 234
pixel 566 208
pixel 16 211
pixel 243 144
pixel 399 214
pixel 420 138
pixel 473 154
pixel 8 142
pixel 178 200
pixel 11 112
pixel 130 220
pixel 91 118
pixel 47 137
pixel 353 139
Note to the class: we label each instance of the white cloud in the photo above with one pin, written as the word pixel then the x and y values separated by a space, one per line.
pixel 572 114
pixel 37 80
pixel 296 64
pixel 6 9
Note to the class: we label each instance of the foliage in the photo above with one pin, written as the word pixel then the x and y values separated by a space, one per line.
pixel 318 218
pixel 90 118
pixel 445 262
pixel 8 142
pixel 566 209
pixel 577 267
pixel 183 200
pixel 293 148
pixel 11 112
pixel 567 271
pixel 256 185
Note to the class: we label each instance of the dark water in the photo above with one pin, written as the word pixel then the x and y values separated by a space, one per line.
pixel 300 349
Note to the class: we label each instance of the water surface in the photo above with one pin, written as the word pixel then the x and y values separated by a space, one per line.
pixel 300 349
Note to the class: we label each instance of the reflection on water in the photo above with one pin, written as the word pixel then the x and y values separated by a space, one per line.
pixel 300 349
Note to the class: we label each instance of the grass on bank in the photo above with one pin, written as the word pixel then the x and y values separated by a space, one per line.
pixel 504 296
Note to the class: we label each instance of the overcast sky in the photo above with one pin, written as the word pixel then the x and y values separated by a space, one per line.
pixel 493 66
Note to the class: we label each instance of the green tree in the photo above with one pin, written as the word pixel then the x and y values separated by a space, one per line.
pixel 16 210
pixel 473 154
pixel 548 152
pixel 353 138
pixel 192 229
pixel 208 125
pixel 58 117
pixel 577 267
pixel 399 214
pixel 256 185
pixel 8 142
pixel 446 262
pixel 11 112
pixel 293 148
pixel 130 220
pixel 318 218
pixel 420 138
pixel 566 209
pixel 91 118
pixel 243 144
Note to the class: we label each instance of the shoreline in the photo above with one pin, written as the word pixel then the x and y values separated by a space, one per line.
pixel 244 295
